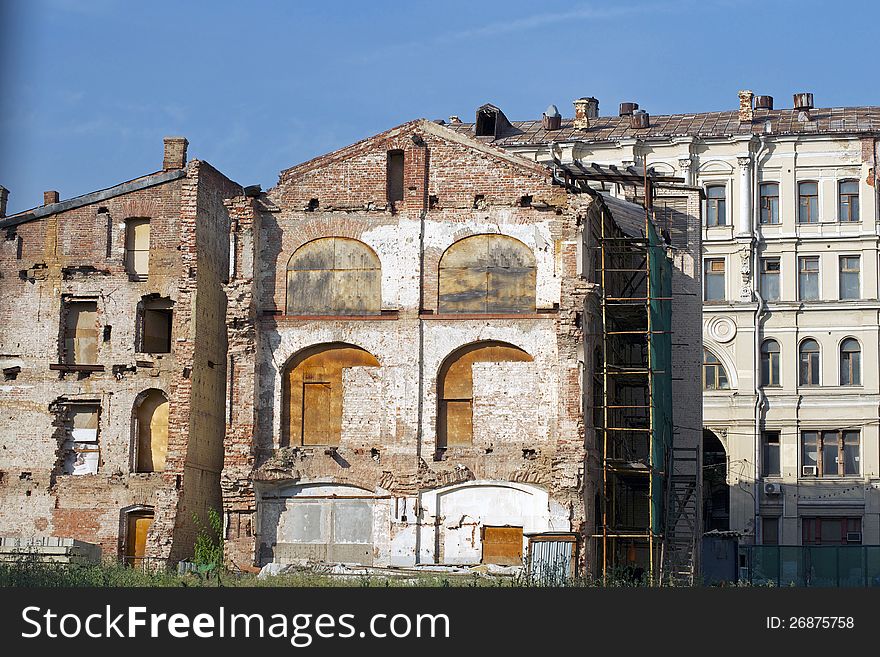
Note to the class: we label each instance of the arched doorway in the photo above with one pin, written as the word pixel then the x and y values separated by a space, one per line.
pixel 716 492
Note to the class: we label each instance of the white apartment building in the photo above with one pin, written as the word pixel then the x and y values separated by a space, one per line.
pixel 791 300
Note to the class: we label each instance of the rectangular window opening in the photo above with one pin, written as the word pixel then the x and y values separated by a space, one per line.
pixel 771 462
pixel 81 334
pixel 394 171
pixel 850 272
pixel 808 278
pixel 714 279
pixel 770 270
pixel 80 452
pixel 137 248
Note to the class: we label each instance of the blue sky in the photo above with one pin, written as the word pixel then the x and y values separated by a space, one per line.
pixel 90 88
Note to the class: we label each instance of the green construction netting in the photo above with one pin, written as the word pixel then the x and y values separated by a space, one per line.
pixel 660 293
pixel 820 565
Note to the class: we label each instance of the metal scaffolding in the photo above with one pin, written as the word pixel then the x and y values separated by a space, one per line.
pixel 635 281
pixel 644 529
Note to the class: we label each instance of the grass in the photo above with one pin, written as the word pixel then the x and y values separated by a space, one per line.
pixel 30 573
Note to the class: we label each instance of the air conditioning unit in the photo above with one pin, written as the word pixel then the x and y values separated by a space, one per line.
pixel 772 488
pixel 854 537
pixel 809 471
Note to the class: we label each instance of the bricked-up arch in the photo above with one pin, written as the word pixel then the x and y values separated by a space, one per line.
pixel 334 276
pixel 151 431
pixel 487 274
pixel 455 388
pixel 313 392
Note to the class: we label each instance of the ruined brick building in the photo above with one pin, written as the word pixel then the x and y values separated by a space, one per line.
pixel 414 350
pixel 112 346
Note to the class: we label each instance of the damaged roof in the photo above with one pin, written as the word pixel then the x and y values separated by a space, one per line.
pixel 630 217
pixel 707 124
pixel 143 182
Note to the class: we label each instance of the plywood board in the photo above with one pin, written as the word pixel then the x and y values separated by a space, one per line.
pixel 487 274
pixel 503 545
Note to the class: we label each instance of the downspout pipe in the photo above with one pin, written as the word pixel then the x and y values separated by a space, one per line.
pixel 760 312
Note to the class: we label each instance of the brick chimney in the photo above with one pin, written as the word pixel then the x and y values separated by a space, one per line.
pixel 584 110
pixel 746 113
pixel 175 153
pixel 4 196
pixel 50 197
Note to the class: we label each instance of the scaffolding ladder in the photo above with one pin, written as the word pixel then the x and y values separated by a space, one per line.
pixel 680 536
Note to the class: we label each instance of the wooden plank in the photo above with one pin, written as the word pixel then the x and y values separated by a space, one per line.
pixel 356 292
pixel 334 276
pixel 351 254
pixel 456 387
pixel 459 421
pixel 462 290
pixel 81 333
pixel 511 290
pixel 316 255
pixel 485 274
pixel 304 407
pixel 316 413
pixel 309 292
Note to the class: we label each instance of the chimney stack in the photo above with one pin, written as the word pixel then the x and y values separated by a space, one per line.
pixel 584 110
pixel 746 114
pixel 627 109
pixel 4 196
pixel 50 197
pixel 803 101
pixel 175 153
pixel 764 102
pixel 552 119
pixel 640 119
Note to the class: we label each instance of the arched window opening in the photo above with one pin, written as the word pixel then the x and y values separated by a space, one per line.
pixel 151 422
pixel 850 363
pixel 455 384
pixel 487 274
pixel 313 392
pixel 770 363
pixel 714 376
pixel 334 276
pixel 809 363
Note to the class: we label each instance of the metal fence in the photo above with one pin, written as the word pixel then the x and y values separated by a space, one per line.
pixel 803 565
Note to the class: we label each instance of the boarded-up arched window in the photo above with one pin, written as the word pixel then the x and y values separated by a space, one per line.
pixel 313 392
pixel 334 276
pixel 455 388
pixel 487 274
pixel 151 422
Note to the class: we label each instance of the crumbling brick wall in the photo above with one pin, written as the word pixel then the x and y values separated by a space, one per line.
pixel 79 252
pixel 452 189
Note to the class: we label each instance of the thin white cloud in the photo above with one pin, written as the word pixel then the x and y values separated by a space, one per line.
pixel 526 23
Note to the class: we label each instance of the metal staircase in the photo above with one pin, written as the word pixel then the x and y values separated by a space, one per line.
pixel 681 526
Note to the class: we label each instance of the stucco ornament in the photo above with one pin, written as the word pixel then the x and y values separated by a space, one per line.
pixel 721 329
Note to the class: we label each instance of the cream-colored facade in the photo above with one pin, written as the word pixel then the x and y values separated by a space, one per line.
pixel 827 494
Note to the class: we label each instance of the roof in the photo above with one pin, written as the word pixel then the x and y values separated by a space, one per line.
pixel 630 217
pixel 462 138
pixel 707 124
pixel 150 180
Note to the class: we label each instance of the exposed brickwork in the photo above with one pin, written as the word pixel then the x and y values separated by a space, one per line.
pixel 80 253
